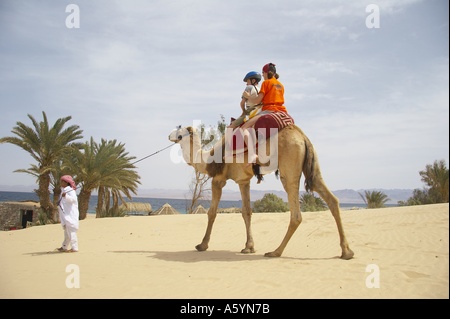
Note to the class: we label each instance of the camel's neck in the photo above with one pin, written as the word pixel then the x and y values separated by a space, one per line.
pixel 195 156
pixel 198 161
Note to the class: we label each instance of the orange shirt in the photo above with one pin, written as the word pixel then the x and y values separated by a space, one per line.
pixel 273 99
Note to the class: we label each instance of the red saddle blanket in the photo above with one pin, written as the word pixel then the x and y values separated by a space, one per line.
pixel 266 126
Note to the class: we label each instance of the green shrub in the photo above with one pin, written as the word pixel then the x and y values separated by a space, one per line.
pixel 374 199
pixel 112 212
pixel 310 203
pixel 270 203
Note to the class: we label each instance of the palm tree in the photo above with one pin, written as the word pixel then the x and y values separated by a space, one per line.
pixel 311 203
pixel 47 145
pixel 374 199
pixel 105 167
pixel 56 171
pixel 436 177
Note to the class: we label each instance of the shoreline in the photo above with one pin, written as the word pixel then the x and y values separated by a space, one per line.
pixel 346 196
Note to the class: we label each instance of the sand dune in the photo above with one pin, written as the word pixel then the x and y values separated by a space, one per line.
pixel 400 252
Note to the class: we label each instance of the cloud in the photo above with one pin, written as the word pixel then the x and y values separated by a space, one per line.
pixel 373 101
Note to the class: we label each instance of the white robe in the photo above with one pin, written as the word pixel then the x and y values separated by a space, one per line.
pixel 68 208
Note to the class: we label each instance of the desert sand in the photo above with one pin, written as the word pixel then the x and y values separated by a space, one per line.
pixel 400 252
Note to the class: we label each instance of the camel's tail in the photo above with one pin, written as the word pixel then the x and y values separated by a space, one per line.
pixel 309 163
pixel 308 166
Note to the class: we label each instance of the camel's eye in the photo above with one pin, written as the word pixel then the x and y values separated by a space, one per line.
pixel 180 137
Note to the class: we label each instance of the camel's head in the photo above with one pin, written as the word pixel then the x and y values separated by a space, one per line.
pixel 177 134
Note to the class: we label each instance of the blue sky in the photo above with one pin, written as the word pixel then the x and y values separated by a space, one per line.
pixel 373 101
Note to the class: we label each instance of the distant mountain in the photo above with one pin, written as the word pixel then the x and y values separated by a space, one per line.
pixel 351 196
pixel 348 196
pixel 18 188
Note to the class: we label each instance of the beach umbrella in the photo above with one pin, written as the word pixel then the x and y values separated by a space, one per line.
pixel 200 210
pixel 165 209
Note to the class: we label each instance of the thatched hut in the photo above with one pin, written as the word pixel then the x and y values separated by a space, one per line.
pixel 165 209
pixel 200 210
pixel 137 208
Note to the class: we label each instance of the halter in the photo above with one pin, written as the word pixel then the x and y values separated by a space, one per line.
pixel 180 137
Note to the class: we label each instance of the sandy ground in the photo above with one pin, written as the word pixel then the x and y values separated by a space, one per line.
pixel 400 252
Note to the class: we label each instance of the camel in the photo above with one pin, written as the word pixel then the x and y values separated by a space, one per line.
pixel 296 156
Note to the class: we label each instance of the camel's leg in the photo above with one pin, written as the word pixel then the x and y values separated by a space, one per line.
pixel 291 185
pixel 216 186
pixel 333 204
pixel 247 215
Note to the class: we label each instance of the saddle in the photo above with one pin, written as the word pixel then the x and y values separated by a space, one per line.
pixel 266 126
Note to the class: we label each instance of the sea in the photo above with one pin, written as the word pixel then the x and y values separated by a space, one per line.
pixel 180 205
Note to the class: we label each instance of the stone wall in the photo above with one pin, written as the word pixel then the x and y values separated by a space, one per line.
pixel 11 214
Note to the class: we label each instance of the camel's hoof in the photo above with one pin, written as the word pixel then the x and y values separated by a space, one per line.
pixel 199 247
pixel 272 254
pixel 247 251
pixel 347 255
